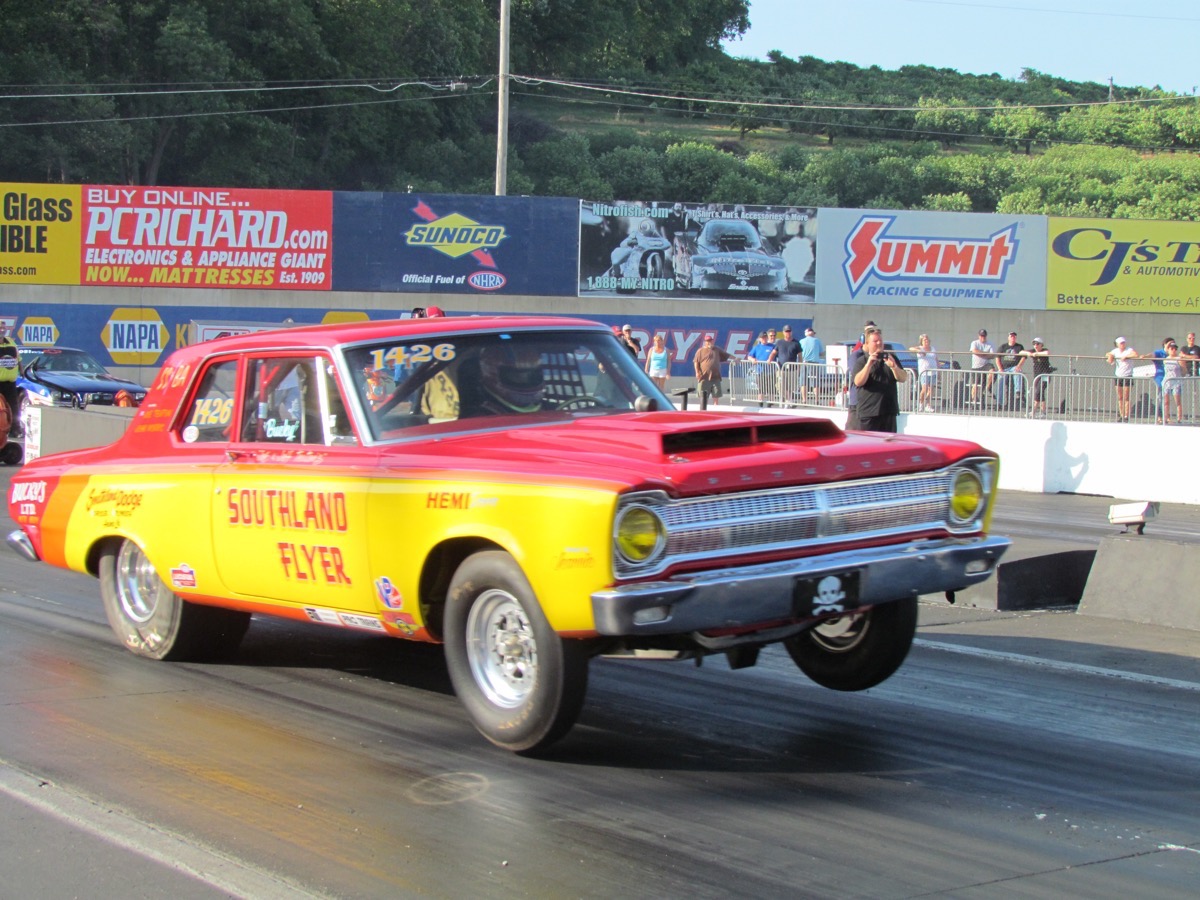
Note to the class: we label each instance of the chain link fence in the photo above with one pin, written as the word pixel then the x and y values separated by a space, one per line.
pixel 1076 389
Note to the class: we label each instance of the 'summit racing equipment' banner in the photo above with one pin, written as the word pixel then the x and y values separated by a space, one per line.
pixel 206 237
pixel 711 250
pixel 453 243
pixel 1123 265
pixel 962 260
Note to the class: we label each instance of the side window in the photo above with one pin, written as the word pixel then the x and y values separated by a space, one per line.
pixel 292 400
pixel 211 415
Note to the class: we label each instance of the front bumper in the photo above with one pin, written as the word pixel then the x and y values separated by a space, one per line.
pixel 754 595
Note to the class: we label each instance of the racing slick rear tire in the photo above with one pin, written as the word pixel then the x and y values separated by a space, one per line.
pixel 856 652
pixel 153 621
pixel 522 685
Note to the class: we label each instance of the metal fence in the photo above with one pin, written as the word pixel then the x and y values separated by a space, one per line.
pixel 1077 389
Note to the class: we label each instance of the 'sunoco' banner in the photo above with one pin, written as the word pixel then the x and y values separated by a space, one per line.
pixel 452 243
pixel 961 260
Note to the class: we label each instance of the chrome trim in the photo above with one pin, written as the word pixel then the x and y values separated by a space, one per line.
pixel 762 594
pixel 809 516
pixel 19 542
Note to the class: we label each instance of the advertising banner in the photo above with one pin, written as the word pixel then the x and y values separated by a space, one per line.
pixel 39 234
pixel 206 237
pixel 713 251
pixel 959 260
pixel 452 243
pixel 1123 265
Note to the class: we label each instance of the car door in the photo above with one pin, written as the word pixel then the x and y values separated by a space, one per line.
pixel 289 504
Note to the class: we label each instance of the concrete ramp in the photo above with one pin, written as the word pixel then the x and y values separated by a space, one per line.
pixel 1033 575
pixel 1141 578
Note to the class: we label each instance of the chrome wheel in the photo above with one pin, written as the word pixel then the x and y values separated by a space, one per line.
pixel 137 584
pixel 501 649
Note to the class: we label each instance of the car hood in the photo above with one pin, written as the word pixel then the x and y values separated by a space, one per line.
pixel 688 453
pixel 83 382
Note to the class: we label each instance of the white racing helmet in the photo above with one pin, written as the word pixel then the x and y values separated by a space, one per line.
pixel 512 376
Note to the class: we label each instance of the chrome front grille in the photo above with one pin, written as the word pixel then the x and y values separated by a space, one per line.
pixel 794 517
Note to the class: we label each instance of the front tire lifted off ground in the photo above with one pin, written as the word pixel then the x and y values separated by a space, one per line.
pixel 856 652
pixel 522 685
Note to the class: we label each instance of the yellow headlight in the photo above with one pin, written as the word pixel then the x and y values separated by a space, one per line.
pixel 966 497
pixel 639 534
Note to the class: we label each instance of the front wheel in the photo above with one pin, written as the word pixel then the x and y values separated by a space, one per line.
pixel 522 685
pixel 153 621
pixel 856 652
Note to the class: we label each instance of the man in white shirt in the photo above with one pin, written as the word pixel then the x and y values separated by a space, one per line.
pixel 983 365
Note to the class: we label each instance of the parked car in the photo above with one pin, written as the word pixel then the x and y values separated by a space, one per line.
pixel 727 255
pixel 64 376
pixel 515 488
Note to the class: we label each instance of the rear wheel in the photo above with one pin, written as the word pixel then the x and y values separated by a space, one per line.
pixel 856 652
pixel 522 685
pixel 153 621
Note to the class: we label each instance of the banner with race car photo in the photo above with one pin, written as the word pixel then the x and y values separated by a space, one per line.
pixel 711 251
pixel 916 258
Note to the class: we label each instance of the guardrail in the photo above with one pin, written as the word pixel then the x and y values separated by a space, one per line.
pixel 1078 394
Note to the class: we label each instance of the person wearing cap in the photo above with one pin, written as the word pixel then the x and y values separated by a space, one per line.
pixel 852 392
pixel 787 350
pixel 983 365
pixel 632 344
pixel 1169 349
pixel 756 375
pixel 1040 354
pixel 1009 385
pixel 707 362
pixel 1121 358
pixel 812 355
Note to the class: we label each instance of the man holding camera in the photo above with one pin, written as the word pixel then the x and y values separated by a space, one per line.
pixel 875 375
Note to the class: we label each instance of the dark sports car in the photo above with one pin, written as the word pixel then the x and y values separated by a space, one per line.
pixel 64 376
pixel 727 255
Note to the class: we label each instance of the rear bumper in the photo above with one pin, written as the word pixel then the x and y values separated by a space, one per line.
pixel 752 595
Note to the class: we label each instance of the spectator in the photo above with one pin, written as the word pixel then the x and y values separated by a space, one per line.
pixel 787 350
pixel 983 365
pixel 1121 358
pixel 812 354
pixel 632 344
pixel 658 362
pixel 1041 368
pixel 9 369
pixel 852 392
pixel 1172 387
pixel 927 366
pixel 761 352
pixel 708 361
pixel 875 375
pixel 1009 363
pixel 1191 350
pixel 1159 356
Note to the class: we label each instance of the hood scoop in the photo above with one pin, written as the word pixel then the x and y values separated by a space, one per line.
pixel 801 431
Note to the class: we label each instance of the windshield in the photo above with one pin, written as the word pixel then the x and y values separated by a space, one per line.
pixel 55 360
pixel 458 382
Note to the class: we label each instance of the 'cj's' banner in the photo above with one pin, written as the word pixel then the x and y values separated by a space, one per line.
pixel 1123 265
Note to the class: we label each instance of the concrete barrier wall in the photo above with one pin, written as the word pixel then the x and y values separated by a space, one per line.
pixel 53 430
pixel 1124 461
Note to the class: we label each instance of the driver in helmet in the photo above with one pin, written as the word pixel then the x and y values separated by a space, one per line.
pixel 510 381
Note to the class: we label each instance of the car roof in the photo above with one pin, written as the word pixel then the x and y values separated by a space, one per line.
pixel 360 332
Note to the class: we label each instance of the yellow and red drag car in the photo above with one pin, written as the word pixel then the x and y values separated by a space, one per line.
pixel 515 488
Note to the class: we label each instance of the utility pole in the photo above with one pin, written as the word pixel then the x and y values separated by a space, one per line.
pixel 502 112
